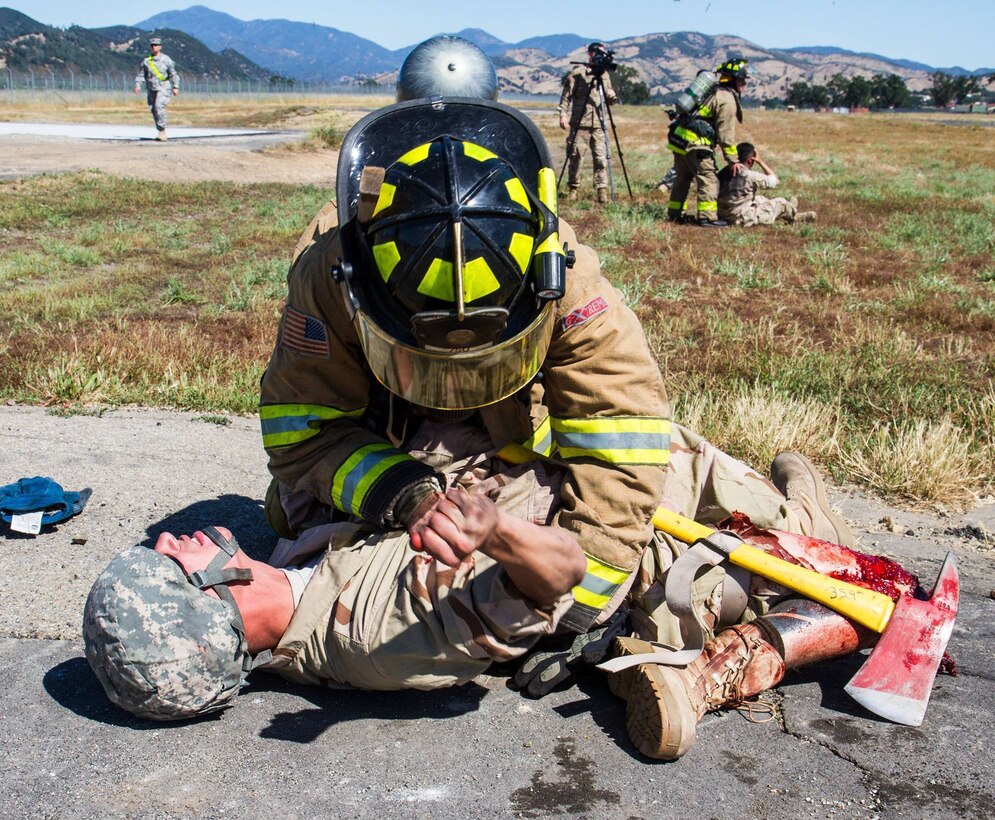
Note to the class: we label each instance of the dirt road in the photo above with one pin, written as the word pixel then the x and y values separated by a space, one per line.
pixel 236 157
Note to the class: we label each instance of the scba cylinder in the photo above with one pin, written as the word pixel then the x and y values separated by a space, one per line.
pixel 689 99
pixel 447 66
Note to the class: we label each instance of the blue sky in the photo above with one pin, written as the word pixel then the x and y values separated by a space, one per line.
pixel 961 32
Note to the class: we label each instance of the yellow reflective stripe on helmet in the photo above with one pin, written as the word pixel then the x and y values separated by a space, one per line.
pixel 477 152
pixel 520 249
pixel 385 199
pixel 286 424
pixel 386 256
pixel 547 188
pixel 478 280
pixel 615 439
pixel 516 192
pixel 360 471
pixel 438 281
pixel 551 244
pixel 155 69
pixel 416 155
pixel 600 583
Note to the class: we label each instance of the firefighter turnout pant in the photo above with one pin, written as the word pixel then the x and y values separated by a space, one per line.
pixel 695 168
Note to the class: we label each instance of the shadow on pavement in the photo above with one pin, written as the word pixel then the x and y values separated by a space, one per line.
pixel 240 514
pixel 73 685
pixel 334 706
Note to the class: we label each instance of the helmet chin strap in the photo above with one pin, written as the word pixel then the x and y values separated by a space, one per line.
pixel 216 577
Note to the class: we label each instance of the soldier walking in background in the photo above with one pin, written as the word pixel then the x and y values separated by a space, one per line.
pixel 580 112
pixel 162 83
pixel 693 138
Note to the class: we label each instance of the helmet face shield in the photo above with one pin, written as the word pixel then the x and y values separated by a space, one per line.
pixel 454 265
pixel 447 379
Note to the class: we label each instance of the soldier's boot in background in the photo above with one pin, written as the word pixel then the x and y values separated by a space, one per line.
pixel 602 196
pixel 799 480
pixel 665 703
pixel 572 193
pixel 805 216
pixel 793 202
pixel 161 136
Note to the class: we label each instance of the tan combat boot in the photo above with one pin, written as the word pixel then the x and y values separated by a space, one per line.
pixel 665 703
pixel 799 480
pixel 572 194
pixel 161 136
pixel 805 216
pixel 602 195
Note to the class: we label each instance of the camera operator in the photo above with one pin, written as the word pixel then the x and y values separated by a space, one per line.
pixel 580 112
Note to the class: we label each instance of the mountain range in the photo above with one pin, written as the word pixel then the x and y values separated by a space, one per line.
pixel 205 41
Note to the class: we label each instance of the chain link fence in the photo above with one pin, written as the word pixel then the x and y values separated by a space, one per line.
pixel 44 81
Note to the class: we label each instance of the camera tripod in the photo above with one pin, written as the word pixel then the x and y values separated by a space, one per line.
pixel 605 119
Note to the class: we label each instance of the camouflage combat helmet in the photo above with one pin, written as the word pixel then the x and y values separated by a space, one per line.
pixel 162 648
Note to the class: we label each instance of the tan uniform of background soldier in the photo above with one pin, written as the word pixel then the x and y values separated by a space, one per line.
pixel 580 114
pixel 739 202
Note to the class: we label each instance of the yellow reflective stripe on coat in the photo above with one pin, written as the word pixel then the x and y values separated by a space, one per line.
pixel 286 424
pixel 360 471
pixel 690 137
pixel 615 439
pixel 541 440
pixel 155 69
pixel 600 583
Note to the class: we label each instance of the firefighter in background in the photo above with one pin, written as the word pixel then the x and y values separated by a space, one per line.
pixel 580 114
pixel 694 137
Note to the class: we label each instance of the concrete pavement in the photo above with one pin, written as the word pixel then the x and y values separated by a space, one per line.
pixel 476 751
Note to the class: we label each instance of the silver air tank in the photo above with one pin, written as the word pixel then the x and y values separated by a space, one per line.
pixel 447 66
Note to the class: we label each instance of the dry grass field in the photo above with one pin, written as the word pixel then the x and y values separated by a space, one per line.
pixel 866 340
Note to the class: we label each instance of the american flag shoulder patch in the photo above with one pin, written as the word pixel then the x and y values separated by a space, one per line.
pixel 582 314
pixel 303 334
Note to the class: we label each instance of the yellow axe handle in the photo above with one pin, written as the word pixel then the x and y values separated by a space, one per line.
pixel 865 606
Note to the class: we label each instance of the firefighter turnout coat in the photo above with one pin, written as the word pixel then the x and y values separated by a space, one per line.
pixel 599 408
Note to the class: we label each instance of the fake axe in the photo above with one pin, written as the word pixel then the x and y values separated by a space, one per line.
pixel 896 679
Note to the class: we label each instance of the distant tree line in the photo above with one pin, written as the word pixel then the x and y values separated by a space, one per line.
pixel 883 91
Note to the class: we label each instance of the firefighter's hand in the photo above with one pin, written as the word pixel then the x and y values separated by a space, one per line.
pixel 736 168
pixel 455 526
pixel 544 670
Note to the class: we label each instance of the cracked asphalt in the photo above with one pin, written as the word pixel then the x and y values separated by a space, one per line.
pixel 474 751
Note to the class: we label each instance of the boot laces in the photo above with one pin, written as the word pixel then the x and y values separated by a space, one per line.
pixel 725 689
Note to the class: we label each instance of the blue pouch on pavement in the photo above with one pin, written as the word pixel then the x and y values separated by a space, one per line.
pixel 29 495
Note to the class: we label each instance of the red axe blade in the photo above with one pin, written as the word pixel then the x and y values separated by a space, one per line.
pixel 896 680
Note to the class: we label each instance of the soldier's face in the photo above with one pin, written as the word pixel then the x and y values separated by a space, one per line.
pixel 156 50
pixel 195 552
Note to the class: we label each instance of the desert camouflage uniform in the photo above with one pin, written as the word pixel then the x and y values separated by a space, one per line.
pixel 580 101
pixel 694 157
pixel 161 80
pixel 378 615
pixel 740 205
pixel 600 406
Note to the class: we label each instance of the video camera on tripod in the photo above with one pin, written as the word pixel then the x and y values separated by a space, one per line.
pixel 599 60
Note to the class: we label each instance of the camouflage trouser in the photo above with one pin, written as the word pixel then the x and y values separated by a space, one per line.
pixel 698 168
pixel 595 138
pixel 762 211
pixel 378 615
pixel 158 100
pixel 707 485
